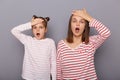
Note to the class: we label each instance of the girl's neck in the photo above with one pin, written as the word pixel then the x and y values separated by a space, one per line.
pixel 40 38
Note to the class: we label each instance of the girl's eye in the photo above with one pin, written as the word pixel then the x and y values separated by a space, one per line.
pixel 34 27
pixel 41 27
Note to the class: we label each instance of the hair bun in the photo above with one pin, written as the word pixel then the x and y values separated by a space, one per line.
pixel 34 16
pixel 47 18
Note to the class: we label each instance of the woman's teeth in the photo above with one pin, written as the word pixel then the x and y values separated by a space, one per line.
pixel 77 30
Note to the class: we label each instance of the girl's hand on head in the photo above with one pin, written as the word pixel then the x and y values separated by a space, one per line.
pixel 82 13
pixel 35 21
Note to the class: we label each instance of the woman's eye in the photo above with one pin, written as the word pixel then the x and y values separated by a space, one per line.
pixel 74 21
pixel 82 22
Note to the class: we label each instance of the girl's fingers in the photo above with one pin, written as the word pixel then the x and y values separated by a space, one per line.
pixel 37 21
pixel 32 19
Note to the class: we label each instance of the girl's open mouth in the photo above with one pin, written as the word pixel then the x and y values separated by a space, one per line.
pixel 38 34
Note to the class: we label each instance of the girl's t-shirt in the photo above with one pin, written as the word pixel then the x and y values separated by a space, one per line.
pixel 40 55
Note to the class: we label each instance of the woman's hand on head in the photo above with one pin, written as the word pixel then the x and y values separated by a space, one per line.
pixel 82 13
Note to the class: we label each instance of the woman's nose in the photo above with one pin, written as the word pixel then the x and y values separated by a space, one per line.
pixel 78 24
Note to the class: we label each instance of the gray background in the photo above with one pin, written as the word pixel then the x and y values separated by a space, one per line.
pixel 15 12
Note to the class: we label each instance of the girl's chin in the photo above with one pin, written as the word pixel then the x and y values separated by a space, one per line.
pixel 38 38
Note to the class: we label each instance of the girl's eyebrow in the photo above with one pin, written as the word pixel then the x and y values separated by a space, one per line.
pixel 41 26
pixel 34 26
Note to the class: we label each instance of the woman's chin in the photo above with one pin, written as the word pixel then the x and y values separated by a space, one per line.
pixel 77 35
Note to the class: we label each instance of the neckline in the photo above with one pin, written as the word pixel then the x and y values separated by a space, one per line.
pixel 71 47
pixel 40 39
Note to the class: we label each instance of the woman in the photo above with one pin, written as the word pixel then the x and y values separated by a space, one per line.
pixel 75 54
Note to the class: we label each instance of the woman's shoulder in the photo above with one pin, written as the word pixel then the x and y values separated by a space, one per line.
pixel 61 41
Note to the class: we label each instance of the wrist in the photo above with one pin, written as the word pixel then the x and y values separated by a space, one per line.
pixel 31 23
pixel 89 19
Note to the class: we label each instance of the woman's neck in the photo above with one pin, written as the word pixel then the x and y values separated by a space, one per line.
pixel 76 42
pixel 77 39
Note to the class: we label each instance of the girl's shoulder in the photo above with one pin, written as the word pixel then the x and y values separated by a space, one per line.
pixel 50 40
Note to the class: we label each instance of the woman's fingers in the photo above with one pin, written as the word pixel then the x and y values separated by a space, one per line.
pixel 82 13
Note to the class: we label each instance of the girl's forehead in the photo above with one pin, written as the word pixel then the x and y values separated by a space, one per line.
pixel 38 25
pixel 40 19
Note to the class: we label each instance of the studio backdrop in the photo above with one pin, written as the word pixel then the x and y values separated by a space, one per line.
pixel 16 12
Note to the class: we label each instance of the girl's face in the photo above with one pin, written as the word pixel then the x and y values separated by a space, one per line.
pixel 39 31
pixel 77 25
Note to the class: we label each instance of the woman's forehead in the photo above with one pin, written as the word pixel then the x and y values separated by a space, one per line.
pixel 77 17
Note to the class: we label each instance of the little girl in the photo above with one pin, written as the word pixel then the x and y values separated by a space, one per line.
pixel 75 54
pixel 40 52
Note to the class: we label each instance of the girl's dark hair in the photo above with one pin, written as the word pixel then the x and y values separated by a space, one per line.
pixel 85 34
pixel 45 20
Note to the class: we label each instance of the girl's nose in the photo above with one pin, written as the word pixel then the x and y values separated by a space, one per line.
pixel 38 29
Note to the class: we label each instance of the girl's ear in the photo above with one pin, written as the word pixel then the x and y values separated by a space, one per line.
pixel 47 19
pixel 46 30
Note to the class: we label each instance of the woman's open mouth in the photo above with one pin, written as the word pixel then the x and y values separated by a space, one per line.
pixel 77 30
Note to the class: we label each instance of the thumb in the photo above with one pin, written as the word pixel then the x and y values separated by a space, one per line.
pixel 84 9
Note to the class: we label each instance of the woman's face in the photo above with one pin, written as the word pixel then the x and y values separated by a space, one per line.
pixel 39 31
pixel 77 25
